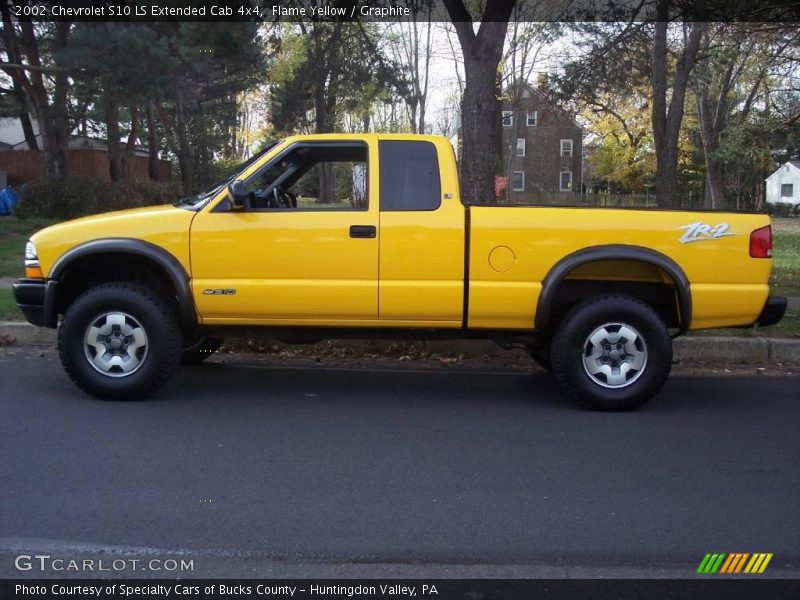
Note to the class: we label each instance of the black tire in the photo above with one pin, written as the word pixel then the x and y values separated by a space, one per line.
pixel 200 350
pixel 138 308
pixel 614 388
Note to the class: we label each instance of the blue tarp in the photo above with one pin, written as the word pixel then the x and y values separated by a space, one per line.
pixel 8 200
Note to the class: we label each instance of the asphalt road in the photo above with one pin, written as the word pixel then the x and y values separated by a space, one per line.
pixel 323 472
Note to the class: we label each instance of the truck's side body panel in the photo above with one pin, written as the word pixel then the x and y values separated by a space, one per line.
pixel 727 286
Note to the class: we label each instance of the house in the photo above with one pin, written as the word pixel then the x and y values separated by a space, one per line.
pixel 784 184
pixel 542 147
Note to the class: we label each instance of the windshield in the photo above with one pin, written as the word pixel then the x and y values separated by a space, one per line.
pixel 193 201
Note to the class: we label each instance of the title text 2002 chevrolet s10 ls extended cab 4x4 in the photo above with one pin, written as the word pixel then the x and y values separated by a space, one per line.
pixel 366 235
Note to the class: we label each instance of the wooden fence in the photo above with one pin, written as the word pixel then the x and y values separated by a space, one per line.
pixel 28 165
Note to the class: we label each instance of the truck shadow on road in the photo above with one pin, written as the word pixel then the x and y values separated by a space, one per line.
pixel 275 385
pixel 244 385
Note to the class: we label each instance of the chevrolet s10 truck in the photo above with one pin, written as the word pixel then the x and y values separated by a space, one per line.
pixel 352 236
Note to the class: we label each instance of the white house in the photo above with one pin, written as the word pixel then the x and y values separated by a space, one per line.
pixel 784 184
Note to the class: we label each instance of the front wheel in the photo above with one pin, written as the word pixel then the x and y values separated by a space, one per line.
pixel 120 341
pixel 612 353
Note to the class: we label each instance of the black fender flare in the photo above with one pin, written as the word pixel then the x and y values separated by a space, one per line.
pixel 564 266
pixel 172 267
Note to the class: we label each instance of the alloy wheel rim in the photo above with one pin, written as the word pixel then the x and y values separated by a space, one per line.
pixel 115 344
pixel 614 355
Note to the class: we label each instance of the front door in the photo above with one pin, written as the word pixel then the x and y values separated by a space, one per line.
pixel 303 251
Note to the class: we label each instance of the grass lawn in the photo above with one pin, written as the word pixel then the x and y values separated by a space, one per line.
pixel 14 233
pixel 788 327
pixel 8 308
pixel 785 279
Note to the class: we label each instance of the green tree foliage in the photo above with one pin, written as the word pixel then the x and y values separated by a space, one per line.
pixel 623 157
pixel 325 70
pixel 188 74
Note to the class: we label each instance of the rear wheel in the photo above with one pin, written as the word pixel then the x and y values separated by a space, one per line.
pixel 120 341
pixel 612 353
pixel 200 350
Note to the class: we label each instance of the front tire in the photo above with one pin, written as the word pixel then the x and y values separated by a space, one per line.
pixel 120 341
pixel 612 353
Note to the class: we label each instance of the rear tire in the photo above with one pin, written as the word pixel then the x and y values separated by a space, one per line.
pixel 612 353
pixel 200 350
pixel 120 341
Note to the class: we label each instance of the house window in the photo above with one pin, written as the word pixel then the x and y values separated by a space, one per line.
pixel 565 181
pixel 518 182
pixel 533 117
pixel 566 147
pixel 520 146
pixel 787 190
pixel 508 118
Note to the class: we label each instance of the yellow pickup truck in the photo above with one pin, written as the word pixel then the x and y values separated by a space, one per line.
pixel 334 236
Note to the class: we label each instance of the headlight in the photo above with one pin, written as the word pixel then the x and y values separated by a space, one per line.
pixel 32 268
pixel 30 255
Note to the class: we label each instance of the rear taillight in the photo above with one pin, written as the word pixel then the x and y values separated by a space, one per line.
pixel 761 242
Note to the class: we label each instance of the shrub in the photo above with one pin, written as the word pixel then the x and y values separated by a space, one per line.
pixel 782 209
pixel 71 197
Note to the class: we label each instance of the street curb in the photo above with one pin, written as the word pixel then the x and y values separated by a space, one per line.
pixel 710 349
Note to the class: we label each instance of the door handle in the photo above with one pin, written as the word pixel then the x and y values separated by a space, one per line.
pixel 363 231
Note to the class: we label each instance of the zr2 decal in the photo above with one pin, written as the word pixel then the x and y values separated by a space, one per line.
pixel 697 232
pixel 219 292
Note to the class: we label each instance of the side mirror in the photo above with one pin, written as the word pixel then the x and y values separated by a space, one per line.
pixel 238 193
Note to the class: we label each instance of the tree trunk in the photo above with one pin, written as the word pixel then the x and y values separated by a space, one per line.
pixel 481 134
pixel 60 124
pixel 480 107
pixel 133 134
pixel 24 117
pixel 55 158
pixel 114 150
pixel 321 125
pixel 185 151
pixel 667 120
pixel 153 164
pixel 715 184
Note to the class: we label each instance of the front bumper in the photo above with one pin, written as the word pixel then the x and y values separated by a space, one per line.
pixel 36 299
pixel 773 311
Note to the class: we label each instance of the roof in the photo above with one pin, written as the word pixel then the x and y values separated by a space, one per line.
pixel 782 166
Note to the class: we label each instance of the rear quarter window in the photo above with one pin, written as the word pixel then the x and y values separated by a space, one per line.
pixel 409 176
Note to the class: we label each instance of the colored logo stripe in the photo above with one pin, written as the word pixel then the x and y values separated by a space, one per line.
pixel 758 563
pixel 710 563
pixel 734 562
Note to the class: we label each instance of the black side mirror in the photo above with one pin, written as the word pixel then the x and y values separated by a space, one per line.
pixel 238 193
